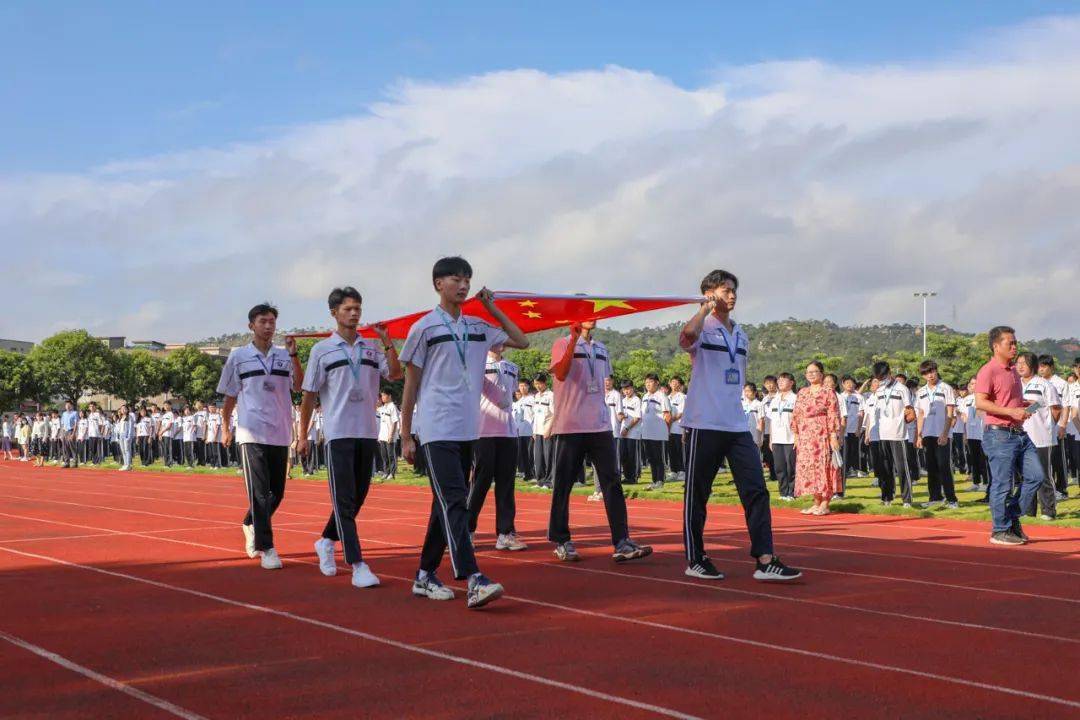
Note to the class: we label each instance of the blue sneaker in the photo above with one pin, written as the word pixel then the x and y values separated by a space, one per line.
pixel 429 586
pixel 482 591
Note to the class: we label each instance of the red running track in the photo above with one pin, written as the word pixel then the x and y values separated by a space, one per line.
pixel 128 595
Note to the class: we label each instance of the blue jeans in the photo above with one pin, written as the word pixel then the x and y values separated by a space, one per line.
pixel 1004 452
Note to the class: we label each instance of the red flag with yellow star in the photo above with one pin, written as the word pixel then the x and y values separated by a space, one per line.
pixel 534 312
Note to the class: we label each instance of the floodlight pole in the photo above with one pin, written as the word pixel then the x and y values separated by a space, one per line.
pixel 924 295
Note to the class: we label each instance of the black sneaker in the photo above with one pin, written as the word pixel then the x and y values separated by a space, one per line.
pixel 775 571
pixel 1005 537
pixel 1018 531
pixel 482 591
pixel 630 550
pixel 705 570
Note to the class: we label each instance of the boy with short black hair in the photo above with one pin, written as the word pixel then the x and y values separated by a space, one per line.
pixel 257 381
pixel 780 412
pixel 935 410
pixel 344 372
pixel 716 429
pixel 655 424
pixel 445 355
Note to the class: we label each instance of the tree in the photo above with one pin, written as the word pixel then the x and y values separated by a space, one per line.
pixel 17 381
pixel 679 365
pixel 192 375
pixel 135 375
pixel 69 364
pixel 636 365
pixel 530 362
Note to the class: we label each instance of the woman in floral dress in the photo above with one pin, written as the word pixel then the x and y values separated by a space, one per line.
pixel 816 425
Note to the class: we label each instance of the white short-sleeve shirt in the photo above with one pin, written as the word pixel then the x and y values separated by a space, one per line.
pixel 190 426
pixel 580 398
pixel 889 403
pixel 852 403
pixel 1040 425
pixel 346 377
pixel 389 422
pixel 1073 401
pixel 960 416
pixel 497 399
pixel 933 403
pixel 714 399
pixel 678 404
pixel 523 416
pixel 93 427
pixel 780 412
pixel 631 410
pixel 449 390
pixel 262 386
pixel 653 407
pixel 613 400
pixel 543 406
pixel 753 409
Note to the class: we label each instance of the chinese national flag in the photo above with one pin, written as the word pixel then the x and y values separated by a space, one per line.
pixel 534 312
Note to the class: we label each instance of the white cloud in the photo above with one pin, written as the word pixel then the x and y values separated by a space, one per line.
pixel 832 191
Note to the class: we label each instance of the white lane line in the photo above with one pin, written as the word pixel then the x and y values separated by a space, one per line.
pixel 102 679
pixel 407 647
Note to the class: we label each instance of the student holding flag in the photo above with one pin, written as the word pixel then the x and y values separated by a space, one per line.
pixel 581 427
pixel 715 427
pixel 445 355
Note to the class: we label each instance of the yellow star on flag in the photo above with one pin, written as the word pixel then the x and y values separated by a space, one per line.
pixel 603 304
pixel 526 303
pixel 532 314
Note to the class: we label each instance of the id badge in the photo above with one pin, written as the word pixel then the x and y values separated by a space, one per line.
pixel 731 376
pixel 355 396
pixel 268 386
pixel 592 387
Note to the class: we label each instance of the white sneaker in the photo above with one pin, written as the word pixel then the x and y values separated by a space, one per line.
pixel 596 496
pixel 907 505
pixel 324 548
pixel 933 504
pixel 682 476
pixel 974 487
pixel 249 540
pixel 362 577
pixel 270 560
pixel 509 541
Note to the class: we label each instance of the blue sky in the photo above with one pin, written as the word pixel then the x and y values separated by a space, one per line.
pixel 88 83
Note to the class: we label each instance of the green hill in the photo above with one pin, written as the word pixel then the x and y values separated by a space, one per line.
pixel 785 345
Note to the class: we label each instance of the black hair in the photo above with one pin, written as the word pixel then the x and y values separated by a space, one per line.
pixel 653 376
pixel 626 384
pixel 767 378
pixel 717 278
pixel 750 385
pixel 527 381
pixel 927 366
pixel 1047 360
pixel 786 376
pixel 996 332
pixel 817 364
pixel 1076 362
pixel 542 377
pixel 848 377
pixel 902 377
pixel 881 370
pixel 836 380
pixel 339 294
pixel 264 308
pixel 679 378
pixel 912 384
pixel 447 266
pixel 1031 359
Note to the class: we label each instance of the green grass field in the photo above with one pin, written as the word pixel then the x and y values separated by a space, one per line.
pixel 860 496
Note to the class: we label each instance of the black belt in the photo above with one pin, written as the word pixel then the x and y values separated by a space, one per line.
pixel 1014 429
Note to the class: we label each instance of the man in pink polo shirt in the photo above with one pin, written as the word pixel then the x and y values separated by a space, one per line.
pixel 999 394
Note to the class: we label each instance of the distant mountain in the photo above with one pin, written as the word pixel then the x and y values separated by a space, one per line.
pixel 776 346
